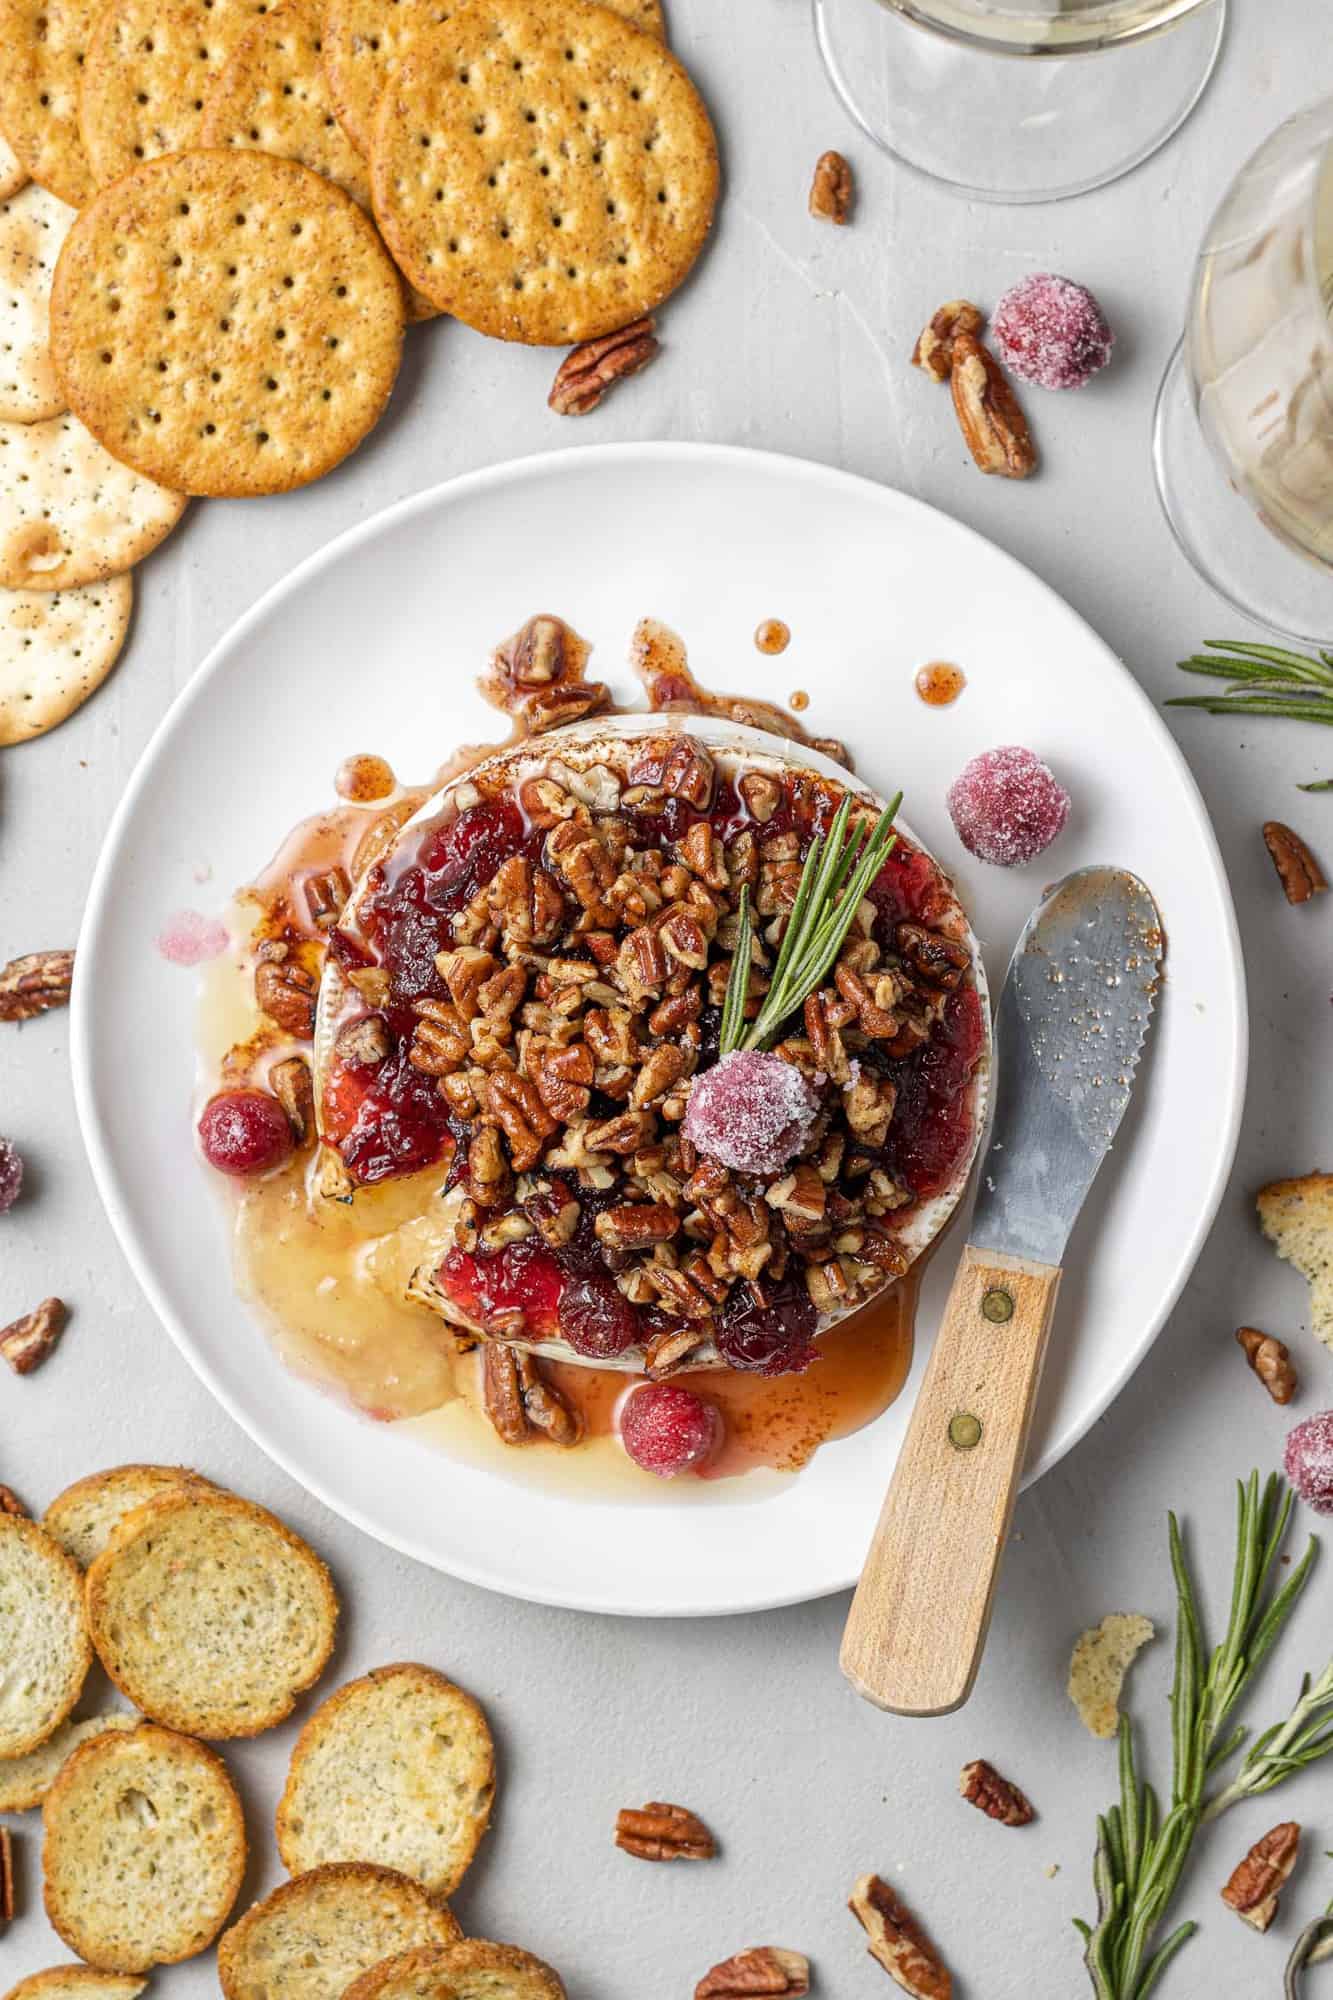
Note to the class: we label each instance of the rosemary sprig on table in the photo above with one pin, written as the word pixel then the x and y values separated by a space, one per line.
pixel 1265 680
pixel 1312 1947
pixel 836 873
pixel 1141 1854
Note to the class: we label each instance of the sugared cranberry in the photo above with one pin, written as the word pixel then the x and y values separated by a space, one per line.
pixel 1309 1461
pixel 1007 806
pixel 666 1430
pixel 1051 331
pixel 11 1175
pixel 244 1132
pixel 596 1318
pixel 775 1339
pixel 752 1111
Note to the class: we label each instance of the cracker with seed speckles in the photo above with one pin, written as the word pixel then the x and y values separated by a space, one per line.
pixel 1101 1659
pixel 33 225
pixel 70 513
pixel 543 170
pixel 150 66
pixel 56 648
pixel 226 322
pixel 13 173
pixel 273 96
pixel 42 48
pixel 364 38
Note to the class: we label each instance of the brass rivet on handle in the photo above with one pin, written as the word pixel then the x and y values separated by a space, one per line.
pixel 964 1430
pixel 997 1305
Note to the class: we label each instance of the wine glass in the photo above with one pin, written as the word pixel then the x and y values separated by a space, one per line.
pixel 1243 433
pixel 1020 100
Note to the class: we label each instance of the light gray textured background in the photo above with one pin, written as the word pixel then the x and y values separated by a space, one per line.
pixel 795 337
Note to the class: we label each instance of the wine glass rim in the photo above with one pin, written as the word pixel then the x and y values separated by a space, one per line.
pixel 1100 33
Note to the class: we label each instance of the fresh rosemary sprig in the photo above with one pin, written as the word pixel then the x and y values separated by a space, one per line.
pixel 1140 1854
pixel 1312 1947
pixel 1265 680
pixel 836 873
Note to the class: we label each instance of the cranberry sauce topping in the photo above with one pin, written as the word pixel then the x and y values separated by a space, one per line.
pixel 932 1120
pixel 775 1340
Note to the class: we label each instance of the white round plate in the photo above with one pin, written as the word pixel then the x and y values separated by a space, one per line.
pixel 375 644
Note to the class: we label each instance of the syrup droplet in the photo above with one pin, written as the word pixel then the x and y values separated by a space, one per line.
pixel 364 779
pixel 798 699
pixel 940 683
pixel 772 636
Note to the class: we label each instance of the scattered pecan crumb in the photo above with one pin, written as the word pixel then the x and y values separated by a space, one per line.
pixel 1257 1882
pixel 34 984
pixel 6 1878
pixel 989 413
pixel 591 369
pixel 1271 1362
pixel 897 1941
pixel 658 1832
pixel 982 1786
pixel 831 189
pixel 26 1344
pixel 1298 871
pixel 933 352
pixel 765 1972
pixel 11 1504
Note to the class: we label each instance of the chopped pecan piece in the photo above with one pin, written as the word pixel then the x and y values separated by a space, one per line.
pixel 364 1042
pixel 662 1067
pixel 989 413
pixel 35 983
pixel 658 1832
pixel 934 348
pixel 488 1177
pixel 440 1041
pixel 591 369
pixel 11 1504
pixel 539 652
pixel 26 1344
pixel 1270 1361
pixel 7 1879
pixel 831 189
pixel 679 766
pixel 982 1786
pixel 292 1085
pixel 671 1349
pixel 286 993
pixel 1298 871
pixel 762 795
pixel 765 1972
pixel 940 961
pixel 520 1402
pixel 636 1225
pixel 1257 1882
pixel 564 1078
pixel 513 1104
pixel 325 895
pixel 897 1941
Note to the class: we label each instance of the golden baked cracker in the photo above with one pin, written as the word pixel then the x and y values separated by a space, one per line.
pixel 226 322
pixel 1101 1659
pixel 42 48
pixel 543 170
pixel 70 513
pixel 150 64
pixel 273 96
pixel 13 173
pixel 33 225
pixel 56 648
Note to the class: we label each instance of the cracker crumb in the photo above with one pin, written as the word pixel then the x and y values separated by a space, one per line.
pixel 1097 1668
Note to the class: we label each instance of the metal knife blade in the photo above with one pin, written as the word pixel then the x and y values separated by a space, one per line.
pixel 1069 1030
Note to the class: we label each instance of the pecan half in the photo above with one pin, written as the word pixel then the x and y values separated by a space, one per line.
pixel 591 369
pixel 1270 1361
pixel 34 984
pixel 512 1103
pixel 7 1895
pixel 286 993
pixel 292 1085
pixel 1298 871
pixel 982 1786
pixel 658 1832
pixel 363 1043
pixel 989 414
pixel 520 1402
pixel 831 189
pixel 1257 1882
pixel 26 1344
pixel 934 347
pixel 11 1504
pixel 765 1970
pixel 897 1941
pixel 325 895
pixel 539 651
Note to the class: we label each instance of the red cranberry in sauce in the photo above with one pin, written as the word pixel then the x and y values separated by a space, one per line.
pixel 666 1430
pixel 244 1132
pixel 597 1319
pixel 774 1339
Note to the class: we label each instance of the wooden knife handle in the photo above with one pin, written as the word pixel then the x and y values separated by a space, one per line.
pixel 918 1621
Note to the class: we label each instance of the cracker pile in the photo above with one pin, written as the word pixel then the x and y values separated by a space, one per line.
pixel 216 217
pixel 213 1618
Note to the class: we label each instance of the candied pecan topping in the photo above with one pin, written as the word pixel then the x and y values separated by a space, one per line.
pixel 982 1786
pixel 325 895
pixel 364 1042
pixel 7 1879
pixel 286 993
pixel 26 1343
pixel 520 1402
pixel 934 348
pixel 1298 871
pixel 658 1832
pixel 1256 1883
pixel 989 413
pixel 765 1972
pixel 35 983
pixel 292 1085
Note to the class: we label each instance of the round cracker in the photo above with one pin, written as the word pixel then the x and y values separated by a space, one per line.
pixel 363 39
pixel 76 1982
pixel 314 1935
pixel 42 1625
pixel 398 1768
pixel 149 69
pixel 226 322
pixel 472 1969
pixel 144 1849
pixel 13 176
pixel 85 1516
pixel 273 96
pixel 43 44
pixel 543 170
pixel 56 649
pixel 70 513
pixel 210 1614
pixel 33 225
pixel 25 1781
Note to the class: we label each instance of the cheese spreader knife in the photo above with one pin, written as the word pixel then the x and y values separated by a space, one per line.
pixel 1069 1030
